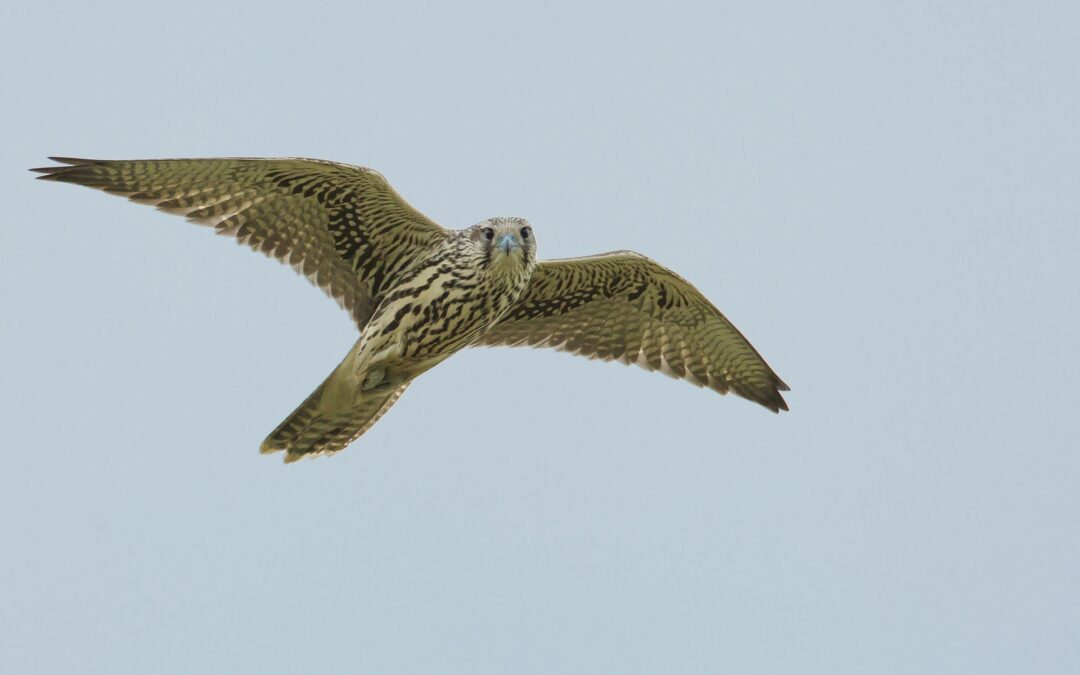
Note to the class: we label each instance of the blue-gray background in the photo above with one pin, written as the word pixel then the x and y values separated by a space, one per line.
pixel 882 196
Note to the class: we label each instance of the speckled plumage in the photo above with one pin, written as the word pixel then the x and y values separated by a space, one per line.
pixel 419 292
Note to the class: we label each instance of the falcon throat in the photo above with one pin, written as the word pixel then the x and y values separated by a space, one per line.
pixel 419 292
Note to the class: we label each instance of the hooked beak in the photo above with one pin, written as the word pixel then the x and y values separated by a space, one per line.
pixel 509 242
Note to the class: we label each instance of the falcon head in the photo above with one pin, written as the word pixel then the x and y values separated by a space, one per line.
pixel 505 242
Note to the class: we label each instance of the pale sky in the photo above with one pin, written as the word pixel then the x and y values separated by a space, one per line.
pixel 882 197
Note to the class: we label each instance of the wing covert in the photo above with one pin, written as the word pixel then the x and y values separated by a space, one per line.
pixel 623 306
pixel 341 226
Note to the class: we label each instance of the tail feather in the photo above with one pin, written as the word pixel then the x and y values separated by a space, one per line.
pixel 324 424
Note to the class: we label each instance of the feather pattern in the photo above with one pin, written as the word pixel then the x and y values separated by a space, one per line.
pixel 341 226
pixel 625 307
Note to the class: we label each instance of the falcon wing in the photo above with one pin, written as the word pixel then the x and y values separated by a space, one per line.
pixel 623 306
pixel 341 226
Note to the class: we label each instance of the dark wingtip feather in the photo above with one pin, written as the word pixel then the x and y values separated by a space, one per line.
pixel 781 386
pixel 67 164
pixel 75 161
pixel 781 404
pixel 772 399
pixel 775 403
pixel 49 172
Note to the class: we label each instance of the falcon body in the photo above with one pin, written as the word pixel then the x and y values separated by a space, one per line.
pixel 419 292
pixel 441 305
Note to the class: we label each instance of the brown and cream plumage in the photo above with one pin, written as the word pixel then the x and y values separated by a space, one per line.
pixel 419 292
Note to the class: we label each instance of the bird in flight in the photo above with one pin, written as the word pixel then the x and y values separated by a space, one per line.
pixel 419 292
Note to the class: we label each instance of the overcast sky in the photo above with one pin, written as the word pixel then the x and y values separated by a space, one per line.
pixel 882 197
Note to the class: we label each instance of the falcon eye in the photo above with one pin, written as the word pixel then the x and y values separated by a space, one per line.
pixel 489 233
pixel 524 233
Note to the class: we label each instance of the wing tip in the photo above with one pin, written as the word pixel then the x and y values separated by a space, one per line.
pixel 73 161
pixel 269 447
pixel 774 405
pixel 776 402
pixel 778 399
pixel 768 396
pixel 65 166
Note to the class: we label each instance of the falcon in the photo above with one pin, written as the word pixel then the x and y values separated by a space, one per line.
pixel 419 292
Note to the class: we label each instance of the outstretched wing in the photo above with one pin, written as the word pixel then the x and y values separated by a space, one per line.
pixel 341 226
pixel 623 306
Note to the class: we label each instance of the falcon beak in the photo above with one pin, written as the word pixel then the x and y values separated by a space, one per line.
pixel 509 242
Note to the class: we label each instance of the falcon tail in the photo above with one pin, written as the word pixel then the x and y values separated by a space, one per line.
pixel 332 417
